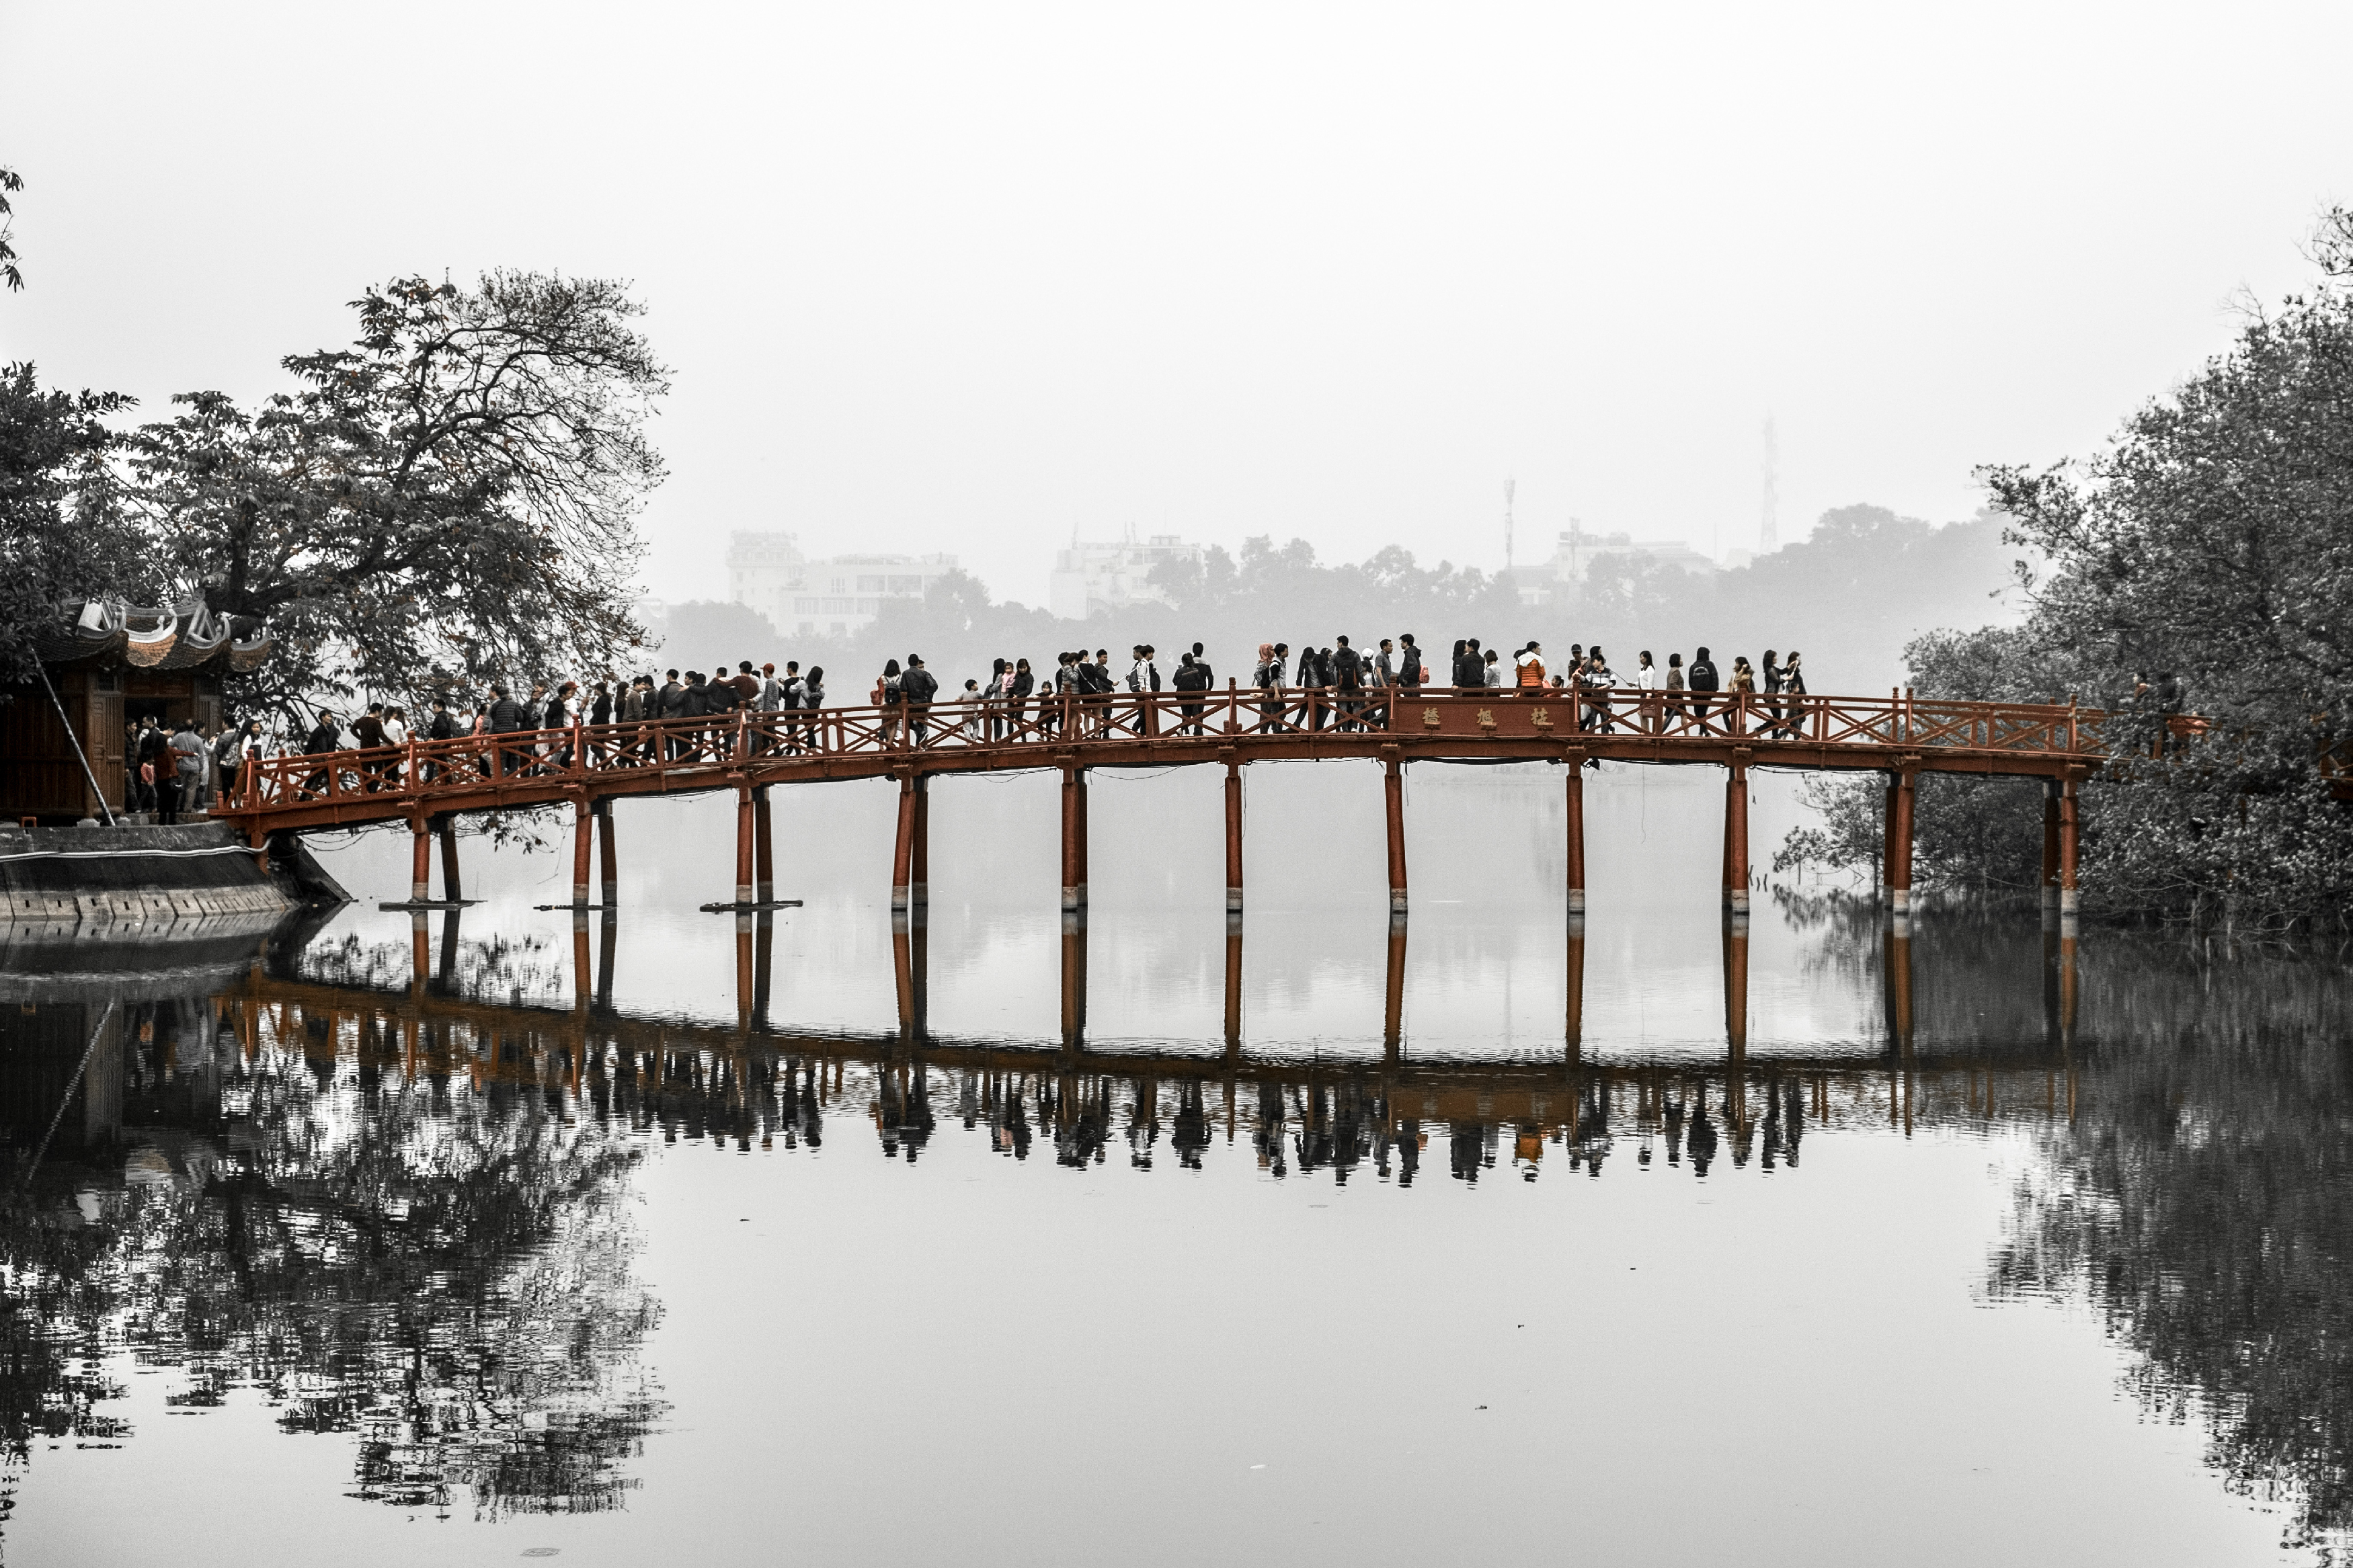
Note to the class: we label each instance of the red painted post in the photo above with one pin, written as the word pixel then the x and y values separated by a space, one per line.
pixel 452 890
pixel 1393 787
pixel 1074 977
pixel 1074 835
pixel 2069 809
pixel 2051 789
pixel 744 833
pixel 1899 845
pixel 608 855
pixel 1576 833
pixel 765 849
pixel 420 866
pixel 584 834
pixel 1887 843
pixel 1233 834
pixel 919 881
pixel 1736 840
pixel 1735 988
pixel 902 854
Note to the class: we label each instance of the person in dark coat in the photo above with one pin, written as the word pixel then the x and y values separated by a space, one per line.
pixel 1347 679
pixel 325 736
pixel 917 687
pixel 1702 678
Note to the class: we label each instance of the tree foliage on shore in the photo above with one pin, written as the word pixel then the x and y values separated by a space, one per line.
pixel 2211 544
pixel 449 500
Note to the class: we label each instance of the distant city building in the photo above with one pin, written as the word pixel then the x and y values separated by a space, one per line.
pixel 1113 576
pixel 836 597
pixel 1576 552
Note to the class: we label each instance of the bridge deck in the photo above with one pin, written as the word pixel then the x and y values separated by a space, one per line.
pixel 746 750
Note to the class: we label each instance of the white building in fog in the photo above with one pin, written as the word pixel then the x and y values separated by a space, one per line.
pixel 1111 576
pixel 1576 553
pixel 835 596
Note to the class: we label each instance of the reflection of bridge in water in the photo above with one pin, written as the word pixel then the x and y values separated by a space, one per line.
pixel 756 1081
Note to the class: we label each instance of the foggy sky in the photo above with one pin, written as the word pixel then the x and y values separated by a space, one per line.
pixel 972 277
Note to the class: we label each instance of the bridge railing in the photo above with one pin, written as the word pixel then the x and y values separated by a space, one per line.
pixel 723 742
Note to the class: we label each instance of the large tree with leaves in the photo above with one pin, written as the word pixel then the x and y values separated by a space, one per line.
pixel 450 501
pixel 63 529
pixel 2211 541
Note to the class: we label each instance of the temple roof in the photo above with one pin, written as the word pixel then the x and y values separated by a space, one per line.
pixel 188 636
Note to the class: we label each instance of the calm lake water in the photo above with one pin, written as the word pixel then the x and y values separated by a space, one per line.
pixel 817 1241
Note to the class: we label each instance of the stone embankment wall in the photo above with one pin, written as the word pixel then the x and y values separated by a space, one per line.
pixel 64 877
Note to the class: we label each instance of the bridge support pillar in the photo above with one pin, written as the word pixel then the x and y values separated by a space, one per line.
pixel 1736 840
pixel 1887 845
pixel 1735 986
pixel 583 982
pixel 584 842
pixel 420 864
pixel 1074 837
pixel 763 848
pixel 1900 799
pixel 1393 787
pixel 609 856
pixel 2069 815
pixel 902 851
pixel 2050 791
pixel 919 859
pixel 1576 833
pixel 452 889
pixel 1233 835
pixel 1074 979
pixel 745 832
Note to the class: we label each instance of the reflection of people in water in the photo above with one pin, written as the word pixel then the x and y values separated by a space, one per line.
pixel 1003 1099
pixel 1266 1138
pixel 1188 1133
pixel 1470 1145
pixel 1702 1134
pixel 1143 1124
pixel 1081 1114
pixel 1675 1118
pixel 902 1111
pixel 1409 1149
pixel 1784 1123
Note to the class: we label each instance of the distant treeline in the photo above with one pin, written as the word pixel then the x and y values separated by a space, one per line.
pixel 1849 596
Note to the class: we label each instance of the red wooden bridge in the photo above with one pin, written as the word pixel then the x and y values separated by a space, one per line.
pixel 427 784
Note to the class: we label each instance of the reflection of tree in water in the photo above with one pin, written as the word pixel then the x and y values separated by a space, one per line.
pixel 492 968
pixel 442 1271
pixel 2203 1204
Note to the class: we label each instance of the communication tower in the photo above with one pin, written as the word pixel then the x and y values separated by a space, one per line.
pixel 1509 485
pixel 1768 528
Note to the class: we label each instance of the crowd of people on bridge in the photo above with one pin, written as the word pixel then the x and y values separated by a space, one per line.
pixel 1338 686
